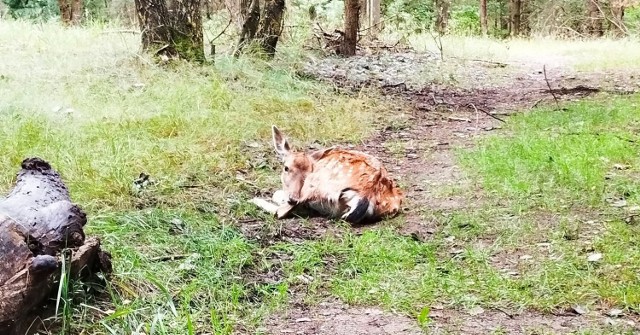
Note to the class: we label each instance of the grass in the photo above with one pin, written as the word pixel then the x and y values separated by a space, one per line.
pixel 578 157
pixel 84 100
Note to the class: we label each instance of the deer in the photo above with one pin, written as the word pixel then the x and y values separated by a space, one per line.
pixel 334 182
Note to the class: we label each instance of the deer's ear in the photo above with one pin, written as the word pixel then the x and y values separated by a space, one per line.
pixel 280 143
pixel 318 154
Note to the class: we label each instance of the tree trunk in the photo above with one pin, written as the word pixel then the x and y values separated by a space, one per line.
pixel 594 18
pixel 271 26
pixel 153 18
pixel 37 221
pixel 351 16
pixel 483 17
pixel 244 8
pixel 70 11
pixel 249 27
pixel 187 30
pixel 374 17
pixel 442 17
pixel 370 16
pixel 177 36
pixel 514 14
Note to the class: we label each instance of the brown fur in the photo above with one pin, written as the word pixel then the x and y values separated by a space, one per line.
pixel 319 179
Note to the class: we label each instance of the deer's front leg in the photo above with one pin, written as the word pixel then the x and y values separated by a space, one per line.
pixel 265 205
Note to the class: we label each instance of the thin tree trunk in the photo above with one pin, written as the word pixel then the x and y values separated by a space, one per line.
pixel 594 18
pixel 351 16
pixel 249 27
pixel 483 17
pixel 271 26
pixel 442 17
pixel 617 18
pixel 76 11
pixel 514 14
pixel 70 11
pixel 374 17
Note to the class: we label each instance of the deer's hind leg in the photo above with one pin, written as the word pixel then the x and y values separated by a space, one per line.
pixel 359 207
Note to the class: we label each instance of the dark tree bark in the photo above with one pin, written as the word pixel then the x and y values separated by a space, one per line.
pixel 594 18
pixel 351 24
pixel 70 11
pixel 250 26
pixel 442 16
pixel 514 14
pixel 187 33
pixel 37 221
pixel 271 26
pixel 153 18
pixel 483 17
pixel 174 36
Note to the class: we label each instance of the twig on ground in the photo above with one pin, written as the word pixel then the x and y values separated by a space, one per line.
pixel 544 70
pixel 485 112
pixel 124 31
pixel 168 258
pixel 509 315
pixel 536 104
pixel 453 118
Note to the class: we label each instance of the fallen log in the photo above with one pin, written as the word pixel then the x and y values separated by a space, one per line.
pixel 38 224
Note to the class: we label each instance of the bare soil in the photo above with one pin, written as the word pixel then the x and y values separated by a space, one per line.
pixel 419 152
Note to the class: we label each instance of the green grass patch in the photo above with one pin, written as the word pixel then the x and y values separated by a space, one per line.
pixel 579 156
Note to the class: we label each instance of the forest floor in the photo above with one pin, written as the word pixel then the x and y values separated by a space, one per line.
pixel 421 147
pixel 521 214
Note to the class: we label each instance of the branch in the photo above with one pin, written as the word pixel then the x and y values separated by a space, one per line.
pixel 544 70
pixel 485 112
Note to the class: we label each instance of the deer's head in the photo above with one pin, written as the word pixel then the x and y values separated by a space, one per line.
pixel 296 165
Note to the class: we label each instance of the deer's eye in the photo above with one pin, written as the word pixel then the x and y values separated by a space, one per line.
pixel 286 169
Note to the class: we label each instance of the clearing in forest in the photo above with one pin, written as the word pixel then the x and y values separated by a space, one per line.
pixel 521 172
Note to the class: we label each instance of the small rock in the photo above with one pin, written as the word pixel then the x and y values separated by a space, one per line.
pixel 412 156
pixel 303 320
pixel 579 310
pixel 619 203
pixel 614 313
pixel 594 257
pixel 476 311
pixel 526 257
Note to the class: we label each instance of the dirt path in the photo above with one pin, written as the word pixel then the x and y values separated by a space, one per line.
pixel 417 149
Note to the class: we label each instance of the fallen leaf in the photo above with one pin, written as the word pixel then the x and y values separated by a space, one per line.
pixel 619 203
pixel 594 257
pixel 614 313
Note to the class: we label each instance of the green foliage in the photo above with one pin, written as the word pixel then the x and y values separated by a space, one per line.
pixel 465 20
pixel 32 9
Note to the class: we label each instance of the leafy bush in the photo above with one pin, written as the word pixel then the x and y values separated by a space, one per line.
pixel 32 9
pixel 465 20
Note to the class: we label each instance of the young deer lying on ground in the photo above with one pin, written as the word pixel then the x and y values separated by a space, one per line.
pixel 335 182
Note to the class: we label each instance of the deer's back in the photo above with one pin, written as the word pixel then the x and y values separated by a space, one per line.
pixel 341 169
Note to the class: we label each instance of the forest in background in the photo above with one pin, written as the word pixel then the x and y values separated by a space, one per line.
pixel 498 18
